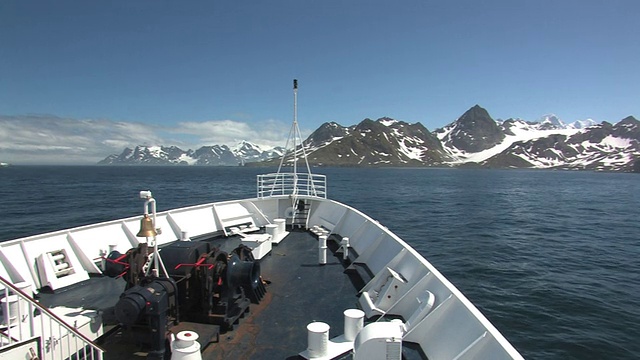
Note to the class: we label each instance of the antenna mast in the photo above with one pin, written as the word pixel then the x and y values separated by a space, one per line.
pixel 296 130
pixel 296 138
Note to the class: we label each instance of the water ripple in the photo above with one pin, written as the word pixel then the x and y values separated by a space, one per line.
pixel 549 257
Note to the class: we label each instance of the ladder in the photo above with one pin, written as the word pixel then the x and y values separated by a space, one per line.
pixel 300 214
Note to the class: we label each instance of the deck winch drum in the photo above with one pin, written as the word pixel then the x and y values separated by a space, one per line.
pixel 243 273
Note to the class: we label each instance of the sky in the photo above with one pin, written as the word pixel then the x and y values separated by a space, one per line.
pixel 80 80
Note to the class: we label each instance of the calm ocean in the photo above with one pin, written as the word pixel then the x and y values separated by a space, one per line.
pixel 552 258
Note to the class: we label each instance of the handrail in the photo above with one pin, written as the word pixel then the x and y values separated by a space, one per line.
pixel 9 286
pixel 296 184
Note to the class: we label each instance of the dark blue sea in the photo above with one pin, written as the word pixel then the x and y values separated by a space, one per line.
pixel 552 258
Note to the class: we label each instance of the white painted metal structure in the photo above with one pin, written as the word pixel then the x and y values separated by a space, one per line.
pixel 284 183
pixel 452 328
pixel 52 334
pixel 296 152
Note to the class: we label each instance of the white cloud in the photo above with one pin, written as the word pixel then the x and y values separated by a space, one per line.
pixel 214 131
pixel 40 139
pixel 266 133
pixel 51 139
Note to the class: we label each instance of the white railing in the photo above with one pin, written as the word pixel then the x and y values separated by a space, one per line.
pixel 57 339
pixel 300 184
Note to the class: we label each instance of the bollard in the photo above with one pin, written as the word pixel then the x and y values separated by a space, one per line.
pixel 317 340
pixel 353 323
pixel 322 249
pixel 186 346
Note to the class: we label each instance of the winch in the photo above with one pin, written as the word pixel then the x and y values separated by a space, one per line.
pixel 205 285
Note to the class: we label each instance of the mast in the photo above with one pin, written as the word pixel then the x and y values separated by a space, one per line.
pixel 295 137
pixel 295 129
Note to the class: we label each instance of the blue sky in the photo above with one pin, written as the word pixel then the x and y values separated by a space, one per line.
pixel 192 73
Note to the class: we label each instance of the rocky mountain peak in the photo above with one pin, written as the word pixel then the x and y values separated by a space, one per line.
pixel 325 134
pixel 629 120
pixel 552 119
pixel 474 118
pixel 383 142
pixel 387 121
pixel 368 124
pixel 628 127
pixel 474 131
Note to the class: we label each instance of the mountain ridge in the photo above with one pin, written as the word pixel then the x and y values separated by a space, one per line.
pixel 213 155
pixel 474 139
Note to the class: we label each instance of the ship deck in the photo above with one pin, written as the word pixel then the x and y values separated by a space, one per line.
pixel 299 291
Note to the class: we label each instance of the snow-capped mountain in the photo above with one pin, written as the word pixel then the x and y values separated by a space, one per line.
pixel 599 147
pixel 150 155
pixel 326 134
pixel 219 155
pixel 474 138
pixel 249 152
pixel 512 131
pixel 553 144
pixel 551 121
pixel 582 124
pixel 384 142
pixel 475 131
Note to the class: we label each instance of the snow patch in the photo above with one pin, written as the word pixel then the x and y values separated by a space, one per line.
pixel 616 142
pixel 411 152
pixel 387 122
pixel 521 132
pixel 188 159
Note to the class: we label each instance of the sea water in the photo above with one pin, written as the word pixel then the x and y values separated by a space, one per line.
pixel 552 258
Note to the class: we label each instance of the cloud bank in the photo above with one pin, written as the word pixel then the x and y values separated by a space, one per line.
pixel 267 133
pixel 49 139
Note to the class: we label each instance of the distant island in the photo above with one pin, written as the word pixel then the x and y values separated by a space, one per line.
pixel 475 139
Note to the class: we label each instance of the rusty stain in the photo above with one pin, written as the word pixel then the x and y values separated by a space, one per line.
pixel 240 343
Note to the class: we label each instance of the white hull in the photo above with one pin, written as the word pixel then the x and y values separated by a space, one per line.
pixel 452 328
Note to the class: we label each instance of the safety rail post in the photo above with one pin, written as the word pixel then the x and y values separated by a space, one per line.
pixel 51 346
